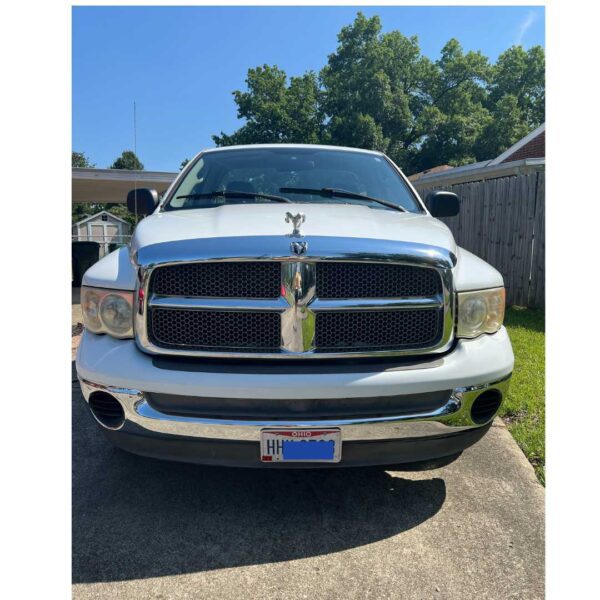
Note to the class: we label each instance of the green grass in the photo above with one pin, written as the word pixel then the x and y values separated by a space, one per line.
pixel 524 409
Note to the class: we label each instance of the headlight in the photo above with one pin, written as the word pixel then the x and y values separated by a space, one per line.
pixel 107 311
pixel 480 312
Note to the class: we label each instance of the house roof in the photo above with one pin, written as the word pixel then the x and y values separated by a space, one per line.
pixel 438 169
pixel 508 161
pixel 102 212
pixel 480 171
pixel 515 147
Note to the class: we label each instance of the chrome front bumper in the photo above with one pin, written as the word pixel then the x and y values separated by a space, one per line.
pixel 453 417
pixel 118 368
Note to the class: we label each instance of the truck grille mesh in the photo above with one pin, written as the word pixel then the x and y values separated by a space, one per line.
pixel 263 280
pixel 375 280
pixel 378 330
pixel 214 330
pixel 219 280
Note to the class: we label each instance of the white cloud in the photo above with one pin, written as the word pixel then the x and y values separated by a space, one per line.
pixel 524 26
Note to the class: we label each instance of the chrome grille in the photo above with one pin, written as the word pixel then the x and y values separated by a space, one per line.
pixel 214 330
pixel 304 308
pixel 377 330
pixel 375 280
pixel 218 280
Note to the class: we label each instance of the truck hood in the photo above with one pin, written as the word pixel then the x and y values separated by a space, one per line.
pixel 325 220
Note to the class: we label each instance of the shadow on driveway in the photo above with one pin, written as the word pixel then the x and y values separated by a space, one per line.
pixel 136 517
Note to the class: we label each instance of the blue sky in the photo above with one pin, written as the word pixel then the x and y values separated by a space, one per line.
pixel 180 64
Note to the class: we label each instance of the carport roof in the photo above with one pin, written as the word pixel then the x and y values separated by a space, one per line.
pixel 112 185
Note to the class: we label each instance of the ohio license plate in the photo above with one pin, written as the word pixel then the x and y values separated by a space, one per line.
pixel 301 445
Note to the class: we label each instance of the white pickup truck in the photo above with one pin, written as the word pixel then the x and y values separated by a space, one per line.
pixel 293 306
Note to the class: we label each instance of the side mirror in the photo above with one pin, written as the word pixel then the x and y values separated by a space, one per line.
pixel 442 204
pixel 142 199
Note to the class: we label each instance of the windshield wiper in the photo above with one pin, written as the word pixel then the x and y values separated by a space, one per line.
pixel 336 192
pixel 236 194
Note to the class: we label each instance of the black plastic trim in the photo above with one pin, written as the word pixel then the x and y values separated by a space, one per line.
pixel 246 454
pixel 260 409
pixel 295 367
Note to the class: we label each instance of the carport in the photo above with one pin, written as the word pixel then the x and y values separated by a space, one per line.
pixel 99 186
pixel 111 185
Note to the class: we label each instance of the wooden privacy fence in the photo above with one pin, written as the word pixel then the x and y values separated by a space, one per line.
pixel 502 220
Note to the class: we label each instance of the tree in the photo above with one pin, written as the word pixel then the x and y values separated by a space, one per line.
pixel 381 93
pixel 121 210
pixel 275 111
pixel 453 114
pixel 506 126
pixel 80 210
pixel 128 161
pixel 184 162
pixel 367 84
pixel 79 159
pixel 520 73
pixel 377 91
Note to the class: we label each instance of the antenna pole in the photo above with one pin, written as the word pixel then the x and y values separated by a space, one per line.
pixel 135 152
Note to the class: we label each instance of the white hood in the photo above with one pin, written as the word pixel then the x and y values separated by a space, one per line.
pixel 246 220
pixel 242 223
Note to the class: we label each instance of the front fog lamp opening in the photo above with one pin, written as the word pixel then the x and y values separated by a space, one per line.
pixel 107 410
pixel 480 312
pixel 485 406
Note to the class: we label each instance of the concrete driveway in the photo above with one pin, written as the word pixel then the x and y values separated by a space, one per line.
pixel 144 528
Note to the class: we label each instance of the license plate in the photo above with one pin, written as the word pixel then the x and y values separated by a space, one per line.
pixel 301 445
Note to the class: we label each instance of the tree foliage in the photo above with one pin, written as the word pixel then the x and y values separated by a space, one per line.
pixel 128 161
pixel 79 159
pixel 275 111
pixel 378 91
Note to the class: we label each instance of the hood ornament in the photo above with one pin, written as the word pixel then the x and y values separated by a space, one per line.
pixel 296 221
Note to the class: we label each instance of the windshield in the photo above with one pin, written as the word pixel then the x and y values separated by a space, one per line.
pixel 277 171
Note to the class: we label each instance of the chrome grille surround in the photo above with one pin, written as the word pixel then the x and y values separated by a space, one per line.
pixel 298 304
